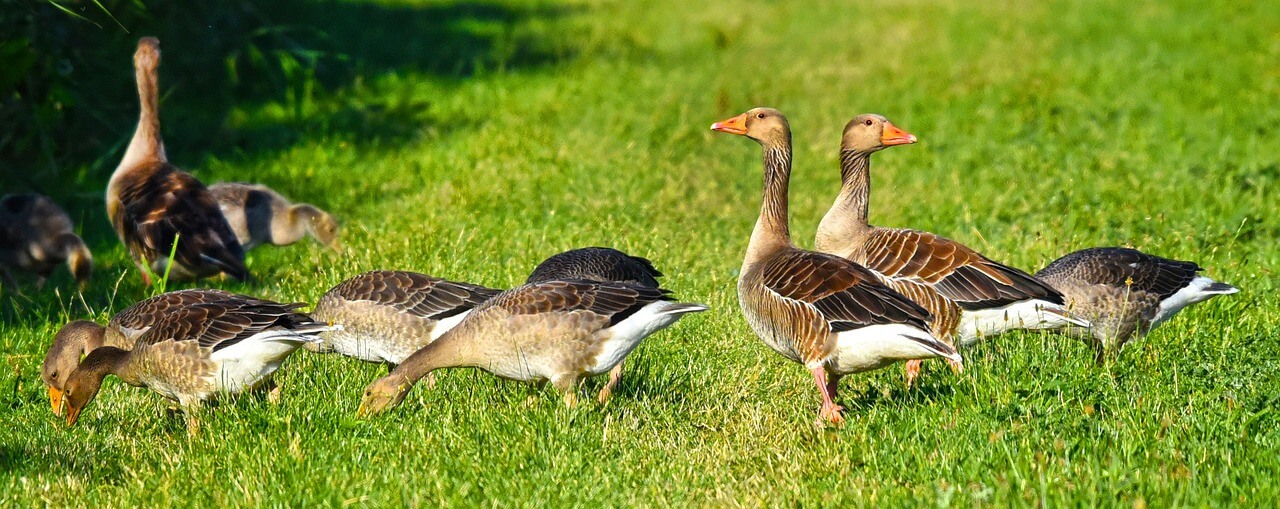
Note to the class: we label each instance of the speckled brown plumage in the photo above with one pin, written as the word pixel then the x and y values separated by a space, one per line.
pixel 152 204
pixel 197 350
pixel 557 331
pixel 597 264
pixel 823 311
pixel 36 235
pixel 387 315
pixel 1124 293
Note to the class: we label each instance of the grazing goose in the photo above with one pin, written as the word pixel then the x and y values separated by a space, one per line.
pixel 37 236
pixel 598 264
pixel 153 204
pixel 77 338
pixel 1125 292
pixel 823 311
pixel 557 331
pixel 969 295
pixel 386 315
pixel 198 350
pixel 259 215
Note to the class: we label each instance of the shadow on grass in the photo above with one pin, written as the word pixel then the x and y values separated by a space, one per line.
pixel 229 59
pixel 98 463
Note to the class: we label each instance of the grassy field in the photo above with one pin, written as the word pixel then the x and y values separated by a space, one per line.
pixel 529 128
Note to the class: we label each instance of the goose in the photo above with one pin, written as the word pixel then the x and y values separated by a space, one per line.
pixel 558 331
pixel 259 215
pixel 387 315
pixel 828 313
pixel 79 337
pixel 197 351
pixel 599 264
pixel 37 236
pixel 1125 293
pixel 968 294
pixel 153 205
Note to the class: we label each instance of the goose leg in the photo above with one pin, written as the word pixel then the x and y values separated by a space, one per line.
pixel 913 371
pixel 568 387
pixel 830 410
pixel 615 375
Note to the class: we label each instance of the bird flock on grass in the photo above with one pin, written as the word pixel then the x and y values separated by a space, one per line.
pixel 865 298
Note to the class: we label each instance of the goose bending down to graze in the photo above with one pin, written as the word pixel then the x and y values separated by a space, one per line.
pixel 558 331
pixel 152 204
pixel 386 315
pixel 37 236
pixel 598 264
pixel 823 311
pixel 968 294
pixel 258 215
pixel 197 351
pixel 80 337
pixel 1125 293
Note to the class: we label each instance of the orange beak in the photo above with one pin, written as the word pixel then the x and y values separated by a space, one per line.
pixel 72 415
pixel 894 136
pixel 735 125
pixel 55 400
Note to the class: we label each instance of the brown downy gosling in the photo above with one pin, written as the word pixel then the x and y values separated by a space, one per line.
pixel 37 236
pixel 258 215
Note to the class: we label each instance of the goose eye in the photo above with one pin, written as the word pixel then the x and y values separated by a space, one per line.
pixel 54 375
pixel 759 115
pixel 868 121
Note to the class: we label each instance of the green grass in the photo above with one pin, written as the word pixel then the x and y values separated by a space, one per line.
pixel 1044 129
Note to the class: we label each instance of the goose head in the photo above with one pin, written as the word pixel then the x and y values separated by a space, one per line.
pixel 766 126
pixel 383 395
pixel 72 341
pixel 869 133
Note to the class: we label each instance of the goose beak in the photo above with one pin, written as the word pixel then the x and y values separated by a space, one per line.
pixel 894 136
pixel 72 415
pixel 735 125
pixel 55 400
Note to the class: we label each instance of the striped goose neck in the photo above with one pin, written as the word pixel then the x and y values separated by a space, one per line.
pixel 146 144
pixel 772 232
pixel 846 221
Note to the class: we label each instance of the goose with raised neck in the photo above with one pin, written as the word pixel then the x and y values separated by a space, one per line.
pixel 828 313
pixel 969 295
pixel 153 205
pixel 1125 293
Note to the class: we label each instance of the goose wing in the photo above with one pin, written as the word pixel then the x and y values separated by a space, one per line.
pixel 414 293
pixel 847 295
pixel 220 324
pixel 1123 267
pixel 957 272
pixel 169 203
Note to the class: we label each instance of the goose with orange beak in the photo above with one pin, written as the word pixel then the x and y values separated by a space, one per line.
pixel 968 294
pixel 828 313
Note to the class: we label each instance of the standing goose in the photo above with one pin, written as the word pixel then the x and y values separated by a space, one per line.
pixel 823 311
pixel 196 351
pixel 80 337
pixel 1125 293
pixel 259 215
pixel 37 236
pixel 153 204
pixel 969 295
pixel 386 315
pixel 557 331
pixel 598 264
